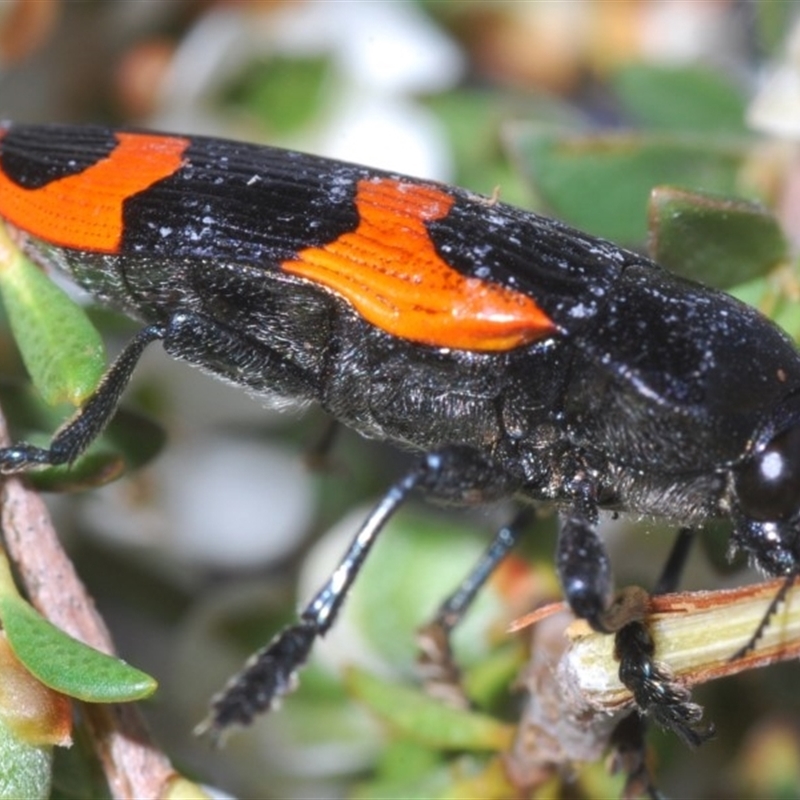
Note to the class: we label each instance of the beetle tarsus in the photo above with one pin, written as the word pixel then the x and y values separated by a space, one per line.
pixel 268 675
pixel 77 433
pixel 20 458
pixel 654 688
pixel 437 667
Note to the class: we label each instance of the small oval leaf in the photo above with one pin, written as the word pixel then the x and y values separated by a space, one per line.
pixel 25 770
pixel 64 663
pixel 721 241
pixel 88 472
pixel 61 349
pixel 35 713
pixel 600 182
pixel 423 719
pixel 681 98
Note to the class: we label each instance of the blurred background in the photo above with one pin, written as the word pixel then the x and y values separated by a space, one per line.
pixel 576 108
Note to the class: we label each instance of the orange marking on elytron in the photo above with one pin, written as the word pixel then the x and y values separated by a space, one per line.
pixel 390 271
pixel 84 210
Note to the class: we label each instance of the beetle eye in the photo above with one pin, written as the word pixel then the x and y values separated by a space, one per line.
pixel 768 485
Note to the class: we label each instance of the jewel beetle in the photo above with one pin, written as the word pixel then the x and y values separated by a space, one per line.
pixel 520 358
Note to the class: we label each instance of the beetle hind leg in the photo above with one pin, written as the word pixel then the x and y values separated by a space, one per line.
pixel 87 424
pixel 271 673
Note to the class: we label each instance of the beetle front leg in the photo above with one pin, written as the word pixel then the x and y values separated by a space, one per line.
pixel 656 692
pixel 584 569
pixel 585 573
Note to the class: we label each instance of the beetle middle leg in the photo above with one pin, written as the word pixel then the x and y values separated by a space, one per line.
pixel 438 668
pixel 451 473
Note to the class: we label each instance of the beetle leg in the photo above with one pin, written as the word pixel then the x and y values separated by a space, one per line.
pixel 235 356
pixel 629 755
pixel 271 673
pixel 86 425
pixel 451 473
pixel 584 569
pixel 585 574
pixel 636 668
pixel 653 687
pixel 656 694
pixel 318 454
pixel 437 665
pixel 676 562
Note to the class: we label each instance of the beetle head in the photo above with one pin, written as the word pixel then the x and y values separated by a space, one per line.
pixel 766 485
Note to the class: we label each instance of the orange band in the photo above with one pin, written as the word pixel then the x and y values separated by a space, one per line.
pixel 390 271
pixel 84 211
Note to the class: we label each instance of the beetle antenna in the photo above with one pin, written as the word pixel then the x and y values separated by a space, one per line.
pixel 779 598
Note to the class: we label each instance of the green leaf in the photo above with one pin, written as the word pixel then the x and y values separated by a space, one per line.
pixel 420 718
pixel 717 240
pixel 475 121
pixel 486 682
pixel 89 471
pixel 283 93
pixel 685 98
pixel 776 297
pixel 409 770
pixel 62 351
pixel 490 783
pixel 65 664
pixel 387 607
pixel 601 183
pixel 771 21
pixel 25 770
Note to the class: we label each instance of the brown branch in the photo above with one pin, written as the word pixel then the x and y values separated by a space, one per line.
pixel 134 767
pixel 696 634
pixel 575 696
pixel 556 728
